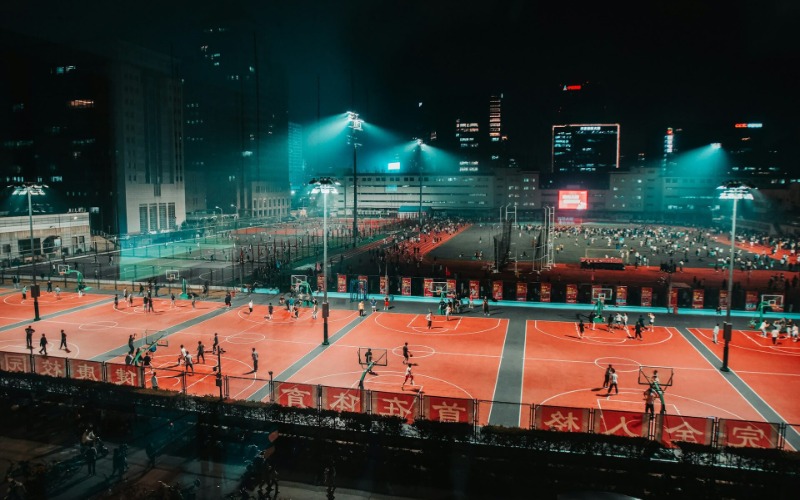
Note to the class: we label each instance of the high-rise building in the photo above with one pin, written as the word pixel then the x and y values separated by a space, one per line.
pixel 585 148
pixel 468 143
pixel 670 149
pixel 298 176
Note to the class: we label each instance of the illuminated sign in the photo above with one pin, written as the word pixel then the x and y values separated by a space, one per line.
pixel 748 125
pixel 568 88
pixel 395 165
pixel 572 200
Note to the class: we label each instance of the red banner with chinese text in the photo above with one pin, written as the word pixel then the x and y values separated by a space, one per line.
pixel 341 283
pixel 405 288
pixel 621 423
pixel 402 405
pixel 572 294
pixel 497 290
pixel 622 296
pixel 384 285
pixel 474 289
pixel 749 434
pixel 363 284
pixel 50 366
pixel 647 296
pixel 15 362
pixel 561 418
pixel 321 282
pixel 677 428
pixel 545 291
pixel 448 409
pixel 698 298
pixel 427 283
pixel 522 292
pixel 86 370
pixel 120 374
pixel 723 299
pixel 296 395
pixel 341 399
pixel 751 300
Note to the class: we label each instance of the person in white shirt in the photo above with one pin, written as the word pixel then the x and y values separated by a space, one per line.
pixel 715 333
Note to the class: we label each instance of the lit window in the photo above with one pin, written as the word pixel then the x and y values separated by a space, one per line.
pixel 81 103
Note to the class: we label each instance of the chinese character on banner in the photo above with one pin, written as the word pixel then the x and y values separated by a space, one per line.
pixel 449 409
pixel 123 374
pixel 474 289
pixel 50 366
pixel 392 404
pixel 562 418
pixel 341 283
pixel 86 370
pixel 384 285
pixel 321 282
pixel 750 300
pixel 497 290
pixel 621 423
pixel 406 286
pixel 522 291
pixel 427 283
pixel 545 292
pixel 15 362
pixel 742 433
pixel 572 294
pixel 338 399
pixel 698 297
pixel 622 295
pixel 676 428
pixel 647 296
pixel 295 395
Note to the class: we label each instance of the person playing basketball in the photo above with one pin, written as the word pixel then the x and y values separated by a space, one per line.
pixel 409 376
pixel 406 354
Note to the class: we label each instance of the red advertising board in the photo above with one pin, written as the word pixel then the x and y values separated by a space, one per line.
pixel 363 281
pixel 723 299
pixel 621 423
pixel 622 296
pixel 572 200
pixel 751 300
pixel 384 285
pixel 296 395
pixel 544 292
pixel 451 288
pixel 474 289
pixel 677 428
pixel 673 298
pixel 426 285
pixel 522 291
pixel 15 362
pixel 572 294
pixel 321 282
pixel 86 370
pixel 50 366
pixel 341 283
pixel 497 290
pixel 748 434
pixel 698 298
pixel 449 409
pixel 647 296
pixel 395 404
pixel 562 419
pixel 406 286
pixel 120 374
pixel 341 399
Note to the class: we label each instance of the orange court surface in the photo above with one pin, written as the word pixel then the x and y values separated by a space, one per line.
pixel 470 356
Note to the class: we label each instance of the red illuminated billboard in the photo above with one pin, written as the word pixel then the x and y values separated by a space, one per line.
pixel 572 200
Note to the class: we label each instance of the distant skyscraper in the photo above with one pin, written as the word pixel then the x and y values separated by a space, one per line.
pixel 670 150
pixel 585 148
pixel 468 141
pixel 297 173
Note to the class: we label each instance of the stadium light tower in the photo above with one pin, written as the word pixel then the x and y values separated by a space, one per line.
pixel 356 126
pixel 735 191
pixel 324 185
pixel 31 189
pixel 420 142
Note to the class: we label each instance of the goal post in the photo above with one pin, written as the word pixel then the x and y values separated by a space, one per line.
pixel 439 287
pixel 606 295
pixel 379 356
pixel 775 302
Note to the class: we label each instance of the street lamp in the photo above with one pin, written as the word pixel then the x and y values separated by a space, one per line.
pixel 735 191
pixel 31 189
pixel 420 142
pixel 356 126
pixel 220 211
pixel 324 185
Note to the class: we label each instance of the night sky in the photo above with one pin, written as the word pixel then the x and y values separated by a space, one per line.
pixel 669 63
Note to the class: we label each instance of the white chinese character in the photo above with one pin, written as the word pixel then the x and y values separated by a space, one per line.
pixel 51 368
pixel 396 407
pixel 124 377
pixel 85 372
pixel 345 402
pixel 684 432
pixel 449 413
pixel 15 363
pixel 294 397
pixel 564 423
pixel 623 424
pixel 749 436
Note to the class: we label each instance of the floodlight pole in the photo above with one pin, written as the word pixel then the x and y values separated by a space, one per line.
pixel 727 328
pixel 325 266
pixel 34 292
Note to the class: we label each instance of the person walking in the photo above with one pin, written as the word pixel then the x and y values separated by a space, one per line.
pixel 409 376
pixel 637 328
pixel 116 301
pixel 429 319
pixel 29 337
pixel 270 310
pixel 581 328
pixel 130 343
pixel 607 376
pixel 447 311
pixel 486 306
pixel 406 354
pixel 43 345
pixel 314 308
pixel 612 383
pixel 250 306
pixel 63 344
pixel 201 351
pixel 361 308
pixel 154 380
pixel 130 298
pixel 172 299
pixel 188 363
pixel 254 355
pixel 215 345
pixel 24 292
pixel 49 286
pixel 715 333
